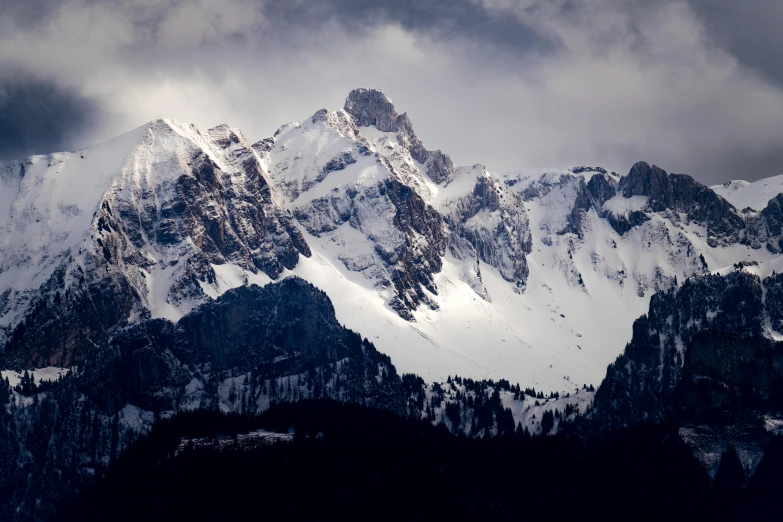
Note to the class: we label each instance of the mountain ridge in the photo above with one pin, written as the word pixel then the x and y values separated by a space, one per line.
pixel 172 269
pixel 452 253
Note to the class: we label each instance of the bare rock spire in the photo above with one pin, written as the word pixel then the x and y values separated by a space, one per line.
pixel 373 108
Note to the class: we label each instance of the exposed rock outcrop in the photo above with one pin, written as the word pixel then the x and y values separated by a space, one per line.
pixel 702 357
pixel 680 193
pixel 371 107
pixel 489 223
pixel 773 221
pixel 380 195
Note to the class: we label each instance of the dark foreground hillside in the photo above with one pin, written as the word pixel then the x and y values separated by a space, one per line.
pixel 348 462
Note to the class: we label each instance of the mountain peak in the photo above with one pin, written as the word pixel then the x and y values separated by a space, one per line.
pixel 225 136
pixel 372 107
pixel 644 180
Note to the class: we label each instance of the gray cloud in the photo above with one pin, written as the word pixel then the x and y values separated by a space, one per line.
pixel 514 84
pixel 750 30
pixel 39 116
pixel 442 19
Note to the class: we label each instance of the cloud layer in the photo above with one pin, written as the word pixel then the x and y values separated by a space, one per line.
pixel 694 86
pixel 39 116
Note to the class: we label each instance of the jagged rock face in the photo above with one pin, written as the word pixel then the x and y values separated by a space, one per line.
pixel 371 107
pixel 677 198
pixel 419 257
pixel 680 329
pixel 773 219
pixel 179 203
pixel 579 213
pixel 405 236
pixel 691 227
pixel 196 213
pixel 681 193
pixel 339 182
pixel 761 203
pixel 644 180
pixel 702 357
pixel 601 188
pixel 488 223
pixel 598 190
pixel 62 326
pixel 230 212
pixel 335 168
pixel 590 195
pixel 773 298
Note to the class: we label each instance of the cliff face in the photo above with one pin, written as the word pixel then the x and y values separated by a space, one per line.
pixel 240 353
pixel 725 224
pixel 487 222
pixel 681 193
pixel 705 358
pixel 247 336
pixel 372 108
pixel 156 222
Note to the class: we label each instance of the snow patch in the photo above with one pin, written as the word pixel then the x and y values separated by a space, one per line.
pixel 622 206
pixel 49 373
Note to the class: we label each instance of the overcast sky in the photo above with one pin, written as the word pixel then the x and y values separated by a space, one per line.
pixel 695 86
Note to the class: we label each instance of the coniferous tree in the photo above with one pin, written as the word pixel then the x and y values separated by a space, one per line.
pixel 547 422
pixel 495 399
pixel 730 477
pixel 5 393
pixel 453 412
pixel 26 385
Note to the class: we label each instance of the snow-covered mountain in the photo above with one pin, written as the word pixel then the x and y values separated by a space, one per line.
pixel 744 194
pixel 172 269
pixel 535 277
pixel 130 229
pixel 526 253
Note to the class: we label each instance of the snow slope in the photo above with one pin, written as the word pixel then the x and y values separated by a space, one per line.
pixel 743 194
pixel 48 203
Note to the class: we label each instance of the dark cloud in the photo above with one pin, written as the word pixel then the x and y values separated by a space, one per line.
pixel 28 14
pixel 442 19
pixel 752 30
pixel 39 116
pixel 738 163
